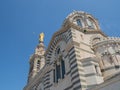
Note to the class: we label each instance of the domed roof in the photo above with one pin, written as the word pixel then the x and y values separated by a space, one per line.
pixel 75 13
pixel 85 19
pixel 79 14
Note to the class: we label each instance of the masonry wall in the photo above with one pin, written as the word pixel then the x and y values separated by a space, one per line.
pixel 112 84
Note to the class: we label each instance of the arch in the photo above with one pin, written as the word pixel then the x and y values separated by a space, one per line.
pixel 55 41
pixel 79 22
pixel 75 14
pixel 95 39
pixel 77 18
pixel 91 23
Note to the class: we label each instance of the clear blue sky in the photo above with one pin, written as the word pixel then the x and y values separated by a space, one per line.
pixel 21 21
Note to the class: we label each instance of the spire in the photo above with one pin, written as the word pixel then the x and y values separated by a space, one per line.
pixel 37 60
pixel 40 49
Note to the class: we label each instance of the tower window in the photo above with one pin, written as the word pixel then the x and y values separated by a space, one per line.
pixel 38 64
pixel 79 23
pixel 91 23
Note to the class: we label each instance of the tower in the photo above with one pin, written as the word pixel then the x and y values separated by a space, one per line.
pixel 37 60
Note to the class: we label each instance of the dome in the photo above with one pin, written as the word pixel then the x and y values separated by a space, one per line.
pixel 83 20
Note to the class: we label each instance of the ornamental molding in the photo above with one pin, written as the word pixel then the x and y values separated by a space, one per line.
pixel 107 41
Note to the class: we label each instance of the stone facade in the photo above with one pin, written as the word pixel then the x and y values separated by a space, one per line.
pixel 79 57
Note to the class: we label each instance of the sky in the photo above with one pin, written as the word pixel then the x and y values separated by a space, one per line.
pixel 21 22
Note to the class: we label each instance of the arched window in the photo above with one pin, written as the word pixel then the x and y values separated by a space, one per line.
pixel 57 51
pixel 59 71
pixel 79 22
pixel 96 39
pixel 63 68
pixel 91 23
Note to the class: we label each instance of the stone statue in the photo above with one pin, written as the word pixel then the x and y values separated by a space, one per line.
pixel 41 37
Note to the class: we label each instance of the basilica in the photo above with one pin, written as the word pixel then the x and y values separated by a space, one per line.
pixel 79 57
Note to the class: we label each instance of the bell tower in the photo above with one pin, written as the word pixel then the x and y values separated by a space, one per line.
pixel 37 60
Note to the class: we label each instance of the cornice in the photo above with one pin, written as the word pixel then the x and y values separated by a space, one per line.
pixel 109 40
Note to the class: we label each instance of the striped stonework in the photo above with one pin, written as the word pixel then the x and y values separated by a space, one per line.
pixel 77 72
pixel 79 57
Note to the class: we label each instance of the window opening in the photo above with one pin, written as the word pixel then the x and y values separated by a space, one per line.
pixel 79 23
pixel 91 24
pixel 63 68
pixel 38 64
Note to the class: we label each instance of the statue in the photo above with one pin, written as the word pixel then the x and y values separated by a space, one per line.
pixel 41 37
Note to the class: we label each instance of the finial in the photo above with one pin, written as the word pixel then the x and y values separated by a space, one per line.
pixel 41 37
